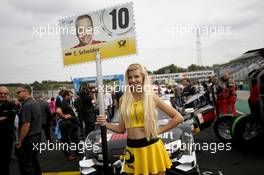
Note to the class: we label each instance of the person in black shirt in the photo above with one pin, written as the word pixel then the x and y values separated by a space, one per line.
pixel 68 125
pixel 59 98
pixel 7 117
pixel 45 117
pixel 118 95
pixel 87 109
pixel 29 132
pixel 188 89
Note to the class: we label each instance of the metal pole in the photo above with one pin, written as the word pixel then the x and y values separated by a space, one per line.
pixel 102 111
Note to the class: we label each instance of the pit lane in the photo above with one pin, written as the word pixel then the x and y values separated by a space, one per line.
pixel 241 159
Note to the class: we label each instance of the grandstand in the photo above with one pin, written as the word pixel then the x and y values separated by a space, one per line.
pixel 239 68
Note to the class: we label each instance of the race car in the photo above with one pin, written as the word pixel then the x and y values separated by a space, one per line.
pixel 178 143
pixel 203 111
pixel 196 111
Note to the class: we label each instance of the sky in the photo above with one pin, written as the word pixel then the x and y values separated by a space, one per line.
pixel 163 30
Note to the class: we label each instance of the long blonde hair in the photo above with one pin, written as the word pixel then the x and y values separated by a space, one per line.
pixel 150 115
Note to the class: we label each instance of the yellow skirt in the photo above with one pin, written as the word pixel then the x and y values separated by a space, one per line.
pixel 146 157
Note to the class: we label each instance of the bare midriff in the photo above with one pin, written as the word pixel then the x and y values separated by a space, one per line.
pixel 136 133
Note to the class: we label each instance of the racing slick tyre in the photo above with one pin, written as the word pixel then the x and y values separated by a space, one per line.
pixel 244 129
pixel 223 126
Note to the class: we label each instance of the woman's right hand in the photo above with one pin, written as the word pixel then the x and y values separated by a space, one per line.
pixel 101 119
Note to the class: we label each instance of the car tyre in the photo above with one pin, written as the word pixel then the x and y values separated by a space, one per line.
pixel 223 127
pixel 244 129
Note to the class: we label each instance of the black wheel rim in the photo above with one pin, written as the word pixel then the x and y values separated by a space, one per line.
pixel 224 130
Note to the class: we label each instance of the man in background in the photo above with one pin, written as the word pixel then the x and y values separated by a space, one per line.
pixel 45 117
pixel 87 109
pixel 29 132
pixel 7 117
pixel 68 125
pixel 226 96
pixel 188 89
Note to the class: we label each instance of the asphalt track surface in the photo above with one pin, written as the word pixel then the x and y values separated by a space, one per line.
pixel 213 158
pixel 240 160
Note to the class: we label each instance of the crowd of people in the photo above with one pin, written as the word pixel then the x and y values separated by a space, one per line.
pixel 29 112
pixel 66 119
pixel 219 92
pixel 71 118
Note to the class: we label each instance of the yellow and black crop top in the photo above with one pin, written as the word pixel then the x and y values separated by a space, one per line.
pixel 136 115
